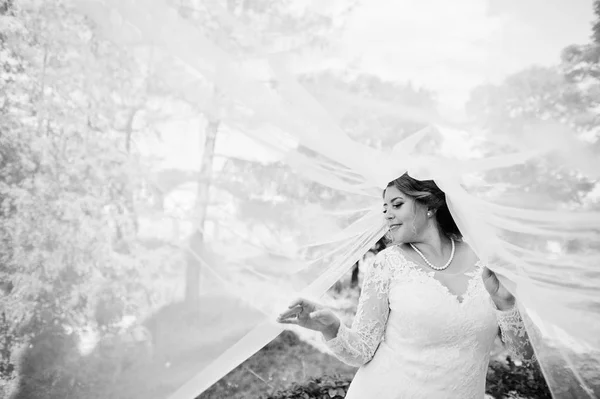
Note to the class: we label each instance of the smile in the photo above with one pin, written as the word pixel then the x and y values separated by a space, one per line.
pixel 395 227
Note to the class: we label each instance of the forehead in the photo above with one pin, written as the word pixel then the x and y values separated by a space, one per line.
pixel 392 192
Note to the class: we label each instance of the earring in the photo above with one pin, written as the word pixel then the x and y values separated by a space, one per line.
pixel 429 213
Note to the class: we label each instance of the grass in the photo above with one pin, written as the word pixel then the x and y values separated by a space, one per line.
pixel 286 361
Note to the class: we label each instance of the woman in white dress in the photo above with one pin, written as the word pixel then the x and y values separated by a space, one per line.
pixel 429 310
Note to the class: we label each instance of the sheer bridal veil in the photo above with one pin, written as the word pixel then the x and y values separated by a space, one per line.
pixel 305 215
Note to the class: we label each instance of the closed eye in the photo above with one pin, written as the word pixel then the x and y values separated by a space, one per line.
pixel 395 206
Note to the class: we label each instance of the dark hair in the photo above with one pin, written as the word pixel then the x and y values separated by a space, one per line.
pixel 428 193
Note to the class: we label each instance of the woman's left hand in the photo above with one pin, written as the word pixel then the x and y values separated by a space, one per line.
pixel 503 299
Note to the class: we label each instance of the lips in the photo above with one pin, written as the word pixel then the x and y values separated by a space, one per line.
pixel 394 226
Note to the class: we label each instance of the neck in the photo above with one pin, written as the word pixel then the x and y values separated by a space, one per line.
pixel 433 245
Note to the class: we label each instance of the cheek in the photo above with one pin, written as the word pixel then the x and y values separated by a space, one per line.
pixel 407 215
pixel 412 225
pixel 404 232
pixel 404 212
pixel 407 229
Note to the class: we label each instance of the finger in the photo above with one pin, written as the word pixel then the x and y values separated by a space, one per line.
pixel 487 273
pixel 489 276
pixel 297 302
pixel 304 303
pixel 282 319
pixel 288 321
pixel 287 317
pixel 291 312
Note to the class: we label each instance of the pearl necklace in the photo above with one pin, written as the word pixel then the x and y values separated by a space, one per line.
pixel 429 263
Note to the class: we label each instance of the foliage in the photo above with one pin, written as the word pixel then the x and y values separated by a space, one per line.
pixel 68 257
pixel 509 380
pixel 272 373
pixel 503 381
pixel 374 111
pixel 72 105
pixel 536 93
pixel 542 100
pixel 525 99
pixel 318 388
pixel 262 25
pixel 580 64
pixel 281 362
pixel 565 95
pixel 568 93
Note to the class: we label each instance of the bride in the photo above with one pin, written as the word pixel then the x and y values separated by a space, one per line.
pixel 429 310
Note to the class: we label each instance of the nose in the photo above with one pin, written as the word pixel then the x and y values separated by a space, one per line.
pixel 389 215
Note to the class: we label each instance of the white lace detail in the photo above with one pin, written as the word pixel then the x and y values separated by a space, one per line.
pixel 356 346
pixel 514 334
pixel 414 338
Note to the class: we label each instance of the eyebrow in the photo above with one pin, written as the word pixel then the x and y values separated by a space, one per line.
pixel 394 199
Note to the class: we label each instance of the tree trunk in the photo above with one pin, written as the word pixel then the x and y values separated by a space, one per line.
pixel 354 278
pixel 124 200
pixel 129 129
pixel 196 244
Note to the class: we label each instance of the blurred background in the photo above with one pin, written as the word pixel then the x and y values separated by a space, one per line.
pixel 146 226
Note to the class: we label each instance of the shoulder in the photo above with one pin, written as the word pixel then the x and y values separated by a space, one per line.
pixel 390 258
pixel 467 256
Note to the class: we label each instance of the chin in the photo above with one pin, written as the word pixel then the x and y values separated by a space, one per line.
pixel 398 238
pixel 402 237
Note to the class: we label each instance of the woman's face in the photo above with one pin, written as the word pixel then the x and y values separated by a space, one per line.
pixel 406 218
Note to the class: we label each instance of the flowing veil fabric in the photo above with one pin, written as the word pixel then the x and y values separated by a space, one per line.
pixel 557 286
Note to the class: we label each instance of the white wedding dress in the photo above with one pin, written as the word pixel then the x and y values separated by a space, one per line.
pixel 413 338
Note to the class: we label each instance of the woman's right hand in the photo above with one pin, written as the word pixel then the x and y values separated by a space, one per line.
pixel 313 316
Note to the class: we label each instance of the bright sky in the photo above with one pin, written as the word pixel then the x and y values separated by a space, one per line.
pixel 452 46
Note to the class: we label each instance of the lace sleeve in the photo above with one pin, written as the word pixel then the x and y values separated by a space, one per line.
pixel 357 345
pixel 514 335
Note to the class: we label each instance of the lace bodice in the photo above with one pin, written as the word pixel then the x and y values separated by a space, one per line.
pixel 427 340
